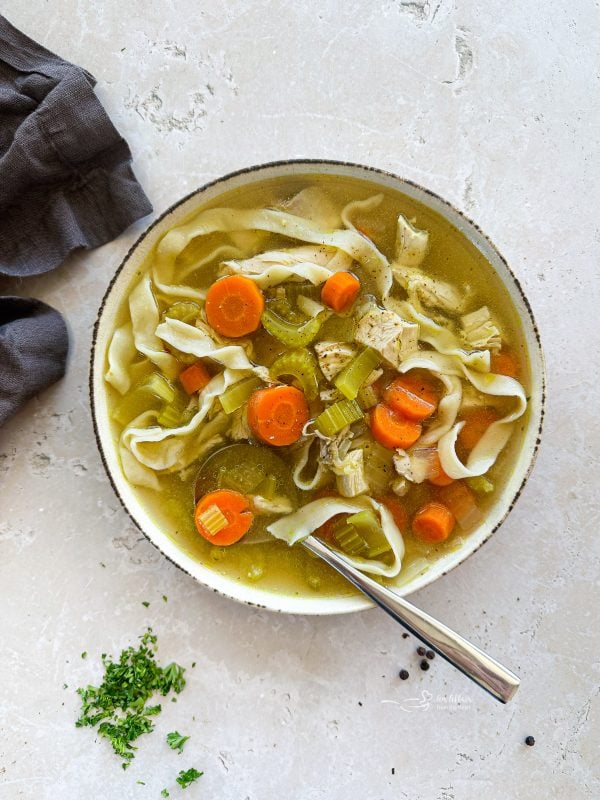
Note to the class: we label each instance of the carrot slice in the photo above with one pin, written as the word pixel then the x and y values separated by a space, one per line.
pixel 234 306
pixel 440 478
pixel 194 378
pixel 461 502
pixel 396 509
pixel 411 397
pixel 476 424
pixel 458 498
pixel 433 522
pixel 234 507
pixel 340 291
pixel 391 429
pixel 505 363
pixel 277 416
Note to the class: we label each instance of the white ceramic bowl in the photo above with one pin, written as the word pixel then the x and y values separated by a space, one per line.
pixel 253 594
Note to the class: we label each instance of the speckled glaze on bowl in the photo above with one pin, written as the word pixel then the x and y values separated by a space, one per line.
pixel 105 324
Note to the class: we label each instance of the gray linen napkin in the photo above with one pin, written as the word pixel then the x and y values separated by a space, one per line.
pixel 65 182
pixel 33 350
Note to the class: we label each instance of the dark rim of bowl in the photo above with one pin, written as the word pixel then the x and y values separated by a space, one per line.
pixel 315 162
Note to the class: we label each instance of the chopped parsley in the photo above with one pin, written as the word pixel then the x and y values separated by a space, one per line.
pixel 176 741
pixel 188 776
pixel 164 793
pixel 165 598
pixel 84 654
pixel 145 603
pixel 119 705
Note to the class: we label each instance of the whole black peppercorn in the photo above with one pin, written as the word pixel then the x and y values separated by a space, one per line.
pixel 403 674
pixel 430 655
pixel 529 741
pixel 424 665
pixel 421 651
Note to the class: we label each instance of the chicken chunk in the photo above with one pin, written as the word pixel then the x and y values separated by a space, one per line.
pixel 479 331
pixel 333 357
pixel 385 331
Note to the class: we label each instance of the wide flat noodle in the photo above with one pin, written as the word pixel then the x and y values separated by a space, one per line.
pixel 197 342
pixel 445 431
pixel 487 449
pixel 315 204
pixel 302 459
pixel 145 317
pixel 221 253
pixel 297 526
pixel 314 264
pixel 172 449
pixel 121 353
pixel 443 368
pixel 359 206
pixel 136 473
pixel 358 247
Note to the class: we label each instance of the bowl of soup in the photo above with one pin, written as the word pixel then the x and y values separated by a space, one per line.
pixel 313 347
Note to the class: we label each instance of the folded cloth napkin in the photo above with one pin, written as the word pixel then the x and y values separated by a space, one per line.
pixel 33 350
pixel 65 182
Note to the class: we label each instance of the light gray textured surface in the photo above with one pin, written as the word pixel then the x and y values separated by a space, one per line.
pixel 495 107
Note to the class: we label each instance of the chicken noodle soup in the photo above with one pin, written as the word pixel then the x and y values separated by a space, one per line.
pixel 314 355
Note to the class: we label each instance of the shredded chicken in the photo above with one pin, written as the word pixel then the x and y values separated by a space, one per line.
pixel 385 331
pixel 347 465
pixel 350 474
pixel 402 464
pixel 411 244
pixel 278 505
pixel 479 331
pixel 333 357
pixel 239 425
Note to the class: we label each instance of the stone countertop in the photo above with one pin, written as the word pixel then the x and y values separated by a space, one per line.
pixel 497 109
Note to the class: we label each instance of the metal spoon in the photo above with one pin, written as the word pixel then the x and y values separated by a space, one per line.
pixel 499 681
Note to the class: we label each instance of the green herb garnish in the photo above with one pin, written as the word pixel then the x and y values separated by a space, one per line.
pixel 176 741
pixel 118 706
pixel 188 776
pixel 145 603
pixel 164 793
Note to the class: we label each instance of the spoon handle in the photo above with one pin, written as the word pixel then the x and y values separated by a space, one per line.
pixel 500 682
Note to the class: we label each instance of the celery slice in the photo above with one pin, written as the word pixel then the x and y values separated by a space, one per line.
pixel 239 393
pixel 348 540
pixel 354 374
pixel 367 397
pixel 173 414
pixel 212 519
pixel 309 307
pixel 337 416
pixel 302 365
pixel 302 289
pixel 379 466
pixel 184 310
pixel 291 333
pixel 481 484
pixel 361 534
pixel 146 395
